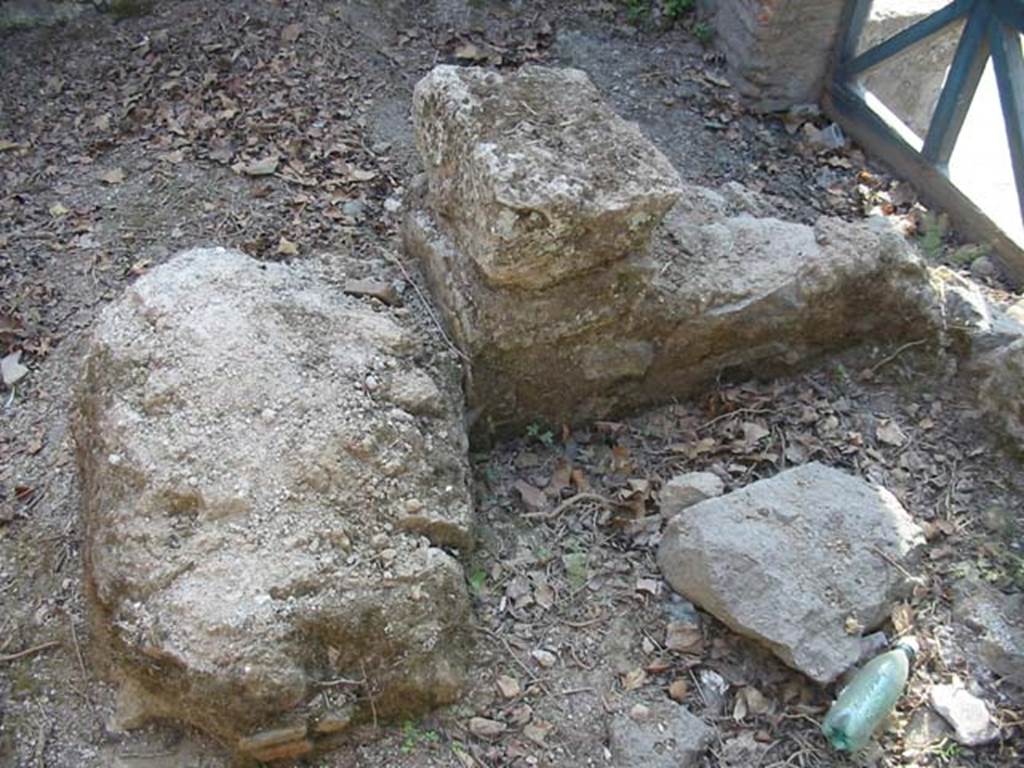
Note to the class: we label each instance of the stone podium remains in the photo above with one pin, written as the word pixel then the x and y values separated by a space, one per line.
pixel 275 483
pixel 583 279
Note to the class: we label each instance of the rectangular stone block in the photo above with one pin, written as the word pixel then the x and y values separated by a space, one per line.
pixel 535 177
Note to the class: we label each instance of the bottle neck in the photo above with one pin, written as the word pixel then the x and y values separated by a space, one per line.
pixel 908 650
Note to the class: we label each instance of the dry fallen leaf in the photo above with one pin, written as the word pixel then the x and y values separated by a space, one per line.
pixel 291 33
pixel 469 52
pixel 902 618
pixel 634 679
pixel 286 247
pixel 360 174
pixel 113 176
pixel 561 478
pixel 175 157
pixel 754 432
pixel 545 658
pixel 739 708
pixel 650 586
pixel 544 595
pixel 508 687
pixel 537 731
pixel 465 759
pixel 678 689
pixel 757 703
pixel 532 497
pixel 682 637
pixel 889 432
pixel 659 665
pixel 521 715
pixel 265 167
pixel 486 728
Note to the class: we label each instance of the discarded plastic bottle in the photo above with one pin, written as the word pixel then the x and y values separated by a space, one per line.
pixel 869 697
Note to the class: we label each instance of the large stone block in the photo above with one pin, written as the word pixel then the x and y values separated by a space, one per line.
pixel 803 562
pixel 720 292
pixel 536 178
pixel 271 478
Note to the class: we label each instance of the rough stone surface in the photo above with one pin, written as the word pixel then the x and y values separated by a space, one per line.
pixel 1001 393
pixel 536 178
pixel 794 561
pixel 270 471
pixel 720 293
pixel 685 490
pixel 778 52
pixel 998 623
pixel 989 341
pixel 664 735
pixel 1016 311
pixel 975 326
pixel 24 14
pixel 969 715
pixel 562 320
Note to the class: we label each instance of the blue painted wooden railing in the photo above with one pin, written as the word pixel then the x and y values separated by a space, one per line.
pixel 992 30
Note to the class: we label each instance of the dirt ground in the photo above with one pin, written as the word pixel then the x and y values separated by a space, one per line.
pixel 281 127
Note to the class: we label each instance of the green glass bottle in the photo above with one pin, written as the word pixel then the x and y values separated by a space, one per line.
pixel 869 697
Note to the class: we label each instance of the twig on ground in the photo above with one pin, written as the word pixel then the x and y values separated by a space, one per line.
pixel 78 648
pixel 572 501
pixel 508 649
pixel 585 624
pixel 899 351
pixel 369 695
pixel 893 563
pixel 731 414
pixel 340 681
pixel 426 305
pixel 29 651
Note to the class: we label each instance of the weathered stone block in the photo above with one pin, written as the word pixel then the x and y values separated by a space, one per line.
pixel 535 177
pixel 803 562
pixel 719 293
pixel 1002 389
pixel 269 477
